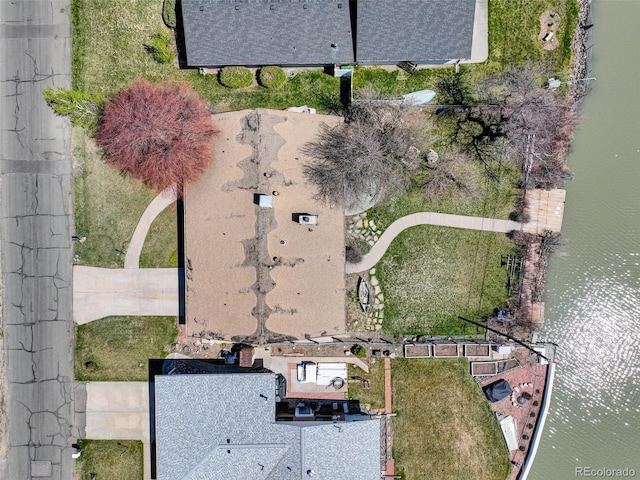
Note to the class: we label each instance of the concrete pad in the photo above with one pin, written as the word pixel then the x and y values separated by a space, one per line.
pixel 480 39
pixel 41 468
pixel 102 292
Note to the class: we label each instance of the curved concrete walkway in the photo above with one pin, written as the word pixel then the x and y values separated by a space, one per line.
pixel 157 205
pixel 428 218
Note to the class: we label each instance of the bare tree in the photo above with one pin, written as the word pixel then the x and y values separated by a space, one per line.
pixel 160 133
pixel 366 158
pixel 510 115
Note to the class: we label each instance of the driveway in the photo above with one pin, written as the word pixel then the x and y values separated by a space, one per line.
pixel 119 411
pixel 101 292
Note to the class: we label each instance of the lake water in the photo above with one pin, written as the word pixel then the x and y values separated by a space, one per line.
pixel 593 291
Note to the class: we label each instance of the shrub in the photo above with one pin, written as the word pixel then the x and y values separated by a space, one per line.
pixel 169 13
pixel 161 133
pixel 235 77
pixel 359 351
pixel 272 77
pixel 173 259
pixel 353 254
pixel 84 109
pixel 160 47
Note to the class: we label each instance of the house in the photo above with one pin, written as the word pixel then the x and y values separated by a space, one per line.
pixel 255 33
pixel 224 426
pixel 333 32
pixel 254 273
pixel 415 31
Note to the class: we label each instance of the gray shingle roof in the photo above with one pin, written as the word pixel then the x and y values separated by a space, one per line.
pixel 218 426
pixel 418 31
pixel 267 32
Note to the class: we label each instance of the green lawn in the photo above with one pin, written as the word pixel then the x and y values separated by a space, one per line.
pixel 110 459
pixel 373 395
pixel 444 428
pixel 430 275
pixel 161 244
pixel 493 199
pixel 109 41
pixel 109 52
pixel 108 207
pixel 514 26
pixel 117 349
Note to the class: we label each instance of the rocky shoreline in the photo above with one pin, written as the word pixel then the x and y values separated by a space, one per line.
pixel 582 43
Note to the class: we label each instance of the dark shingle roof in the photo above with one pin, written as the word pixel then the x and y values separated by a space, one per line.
pixel 223 426
pixel 418 31
pixel 267 32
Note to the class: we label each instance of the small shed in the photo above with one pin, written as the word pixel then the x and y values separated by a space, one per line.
pixel 497 390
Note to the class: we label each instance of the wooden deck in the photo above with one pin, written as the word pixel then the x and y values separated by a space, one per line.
pixel 546 208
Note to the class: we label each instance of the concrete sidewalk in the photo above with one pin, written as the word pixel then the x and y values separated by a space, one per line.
pixel 157 205
pixel 119 411
pixel 101 292
pixel 428 218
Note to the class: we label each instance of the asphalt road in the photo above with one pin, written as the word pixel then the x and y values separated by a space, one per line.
pixel 35 162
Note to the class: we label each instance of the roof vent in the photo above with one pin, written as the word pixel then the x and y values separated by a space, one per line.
pixel 339 5
pixel 237 7
pixel 305 6
pixel 272 7
pixel 202 8
pixel 310 473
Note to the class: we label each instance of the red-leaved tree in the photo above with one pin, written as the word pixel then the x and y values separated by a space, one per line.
pixel 160 133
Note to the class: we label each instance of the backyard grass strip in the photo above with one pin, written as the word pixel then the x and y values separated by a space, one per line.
pixel 370 392
pixel 117 349
pixel 444 427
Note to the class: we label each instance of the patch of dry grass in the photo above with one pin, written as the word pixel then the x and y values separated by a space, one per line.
pixel 444 427
pixel 373 395
pixel 117 349
pixel 110 459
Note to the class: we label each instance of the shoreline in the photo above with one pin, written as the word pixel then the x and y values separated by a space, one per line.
pixel 581 46
pixel 530 295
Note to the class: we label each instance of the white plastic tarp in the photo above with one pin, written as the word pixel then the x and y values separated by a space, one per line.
pixel 510 432
pixel 328 371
